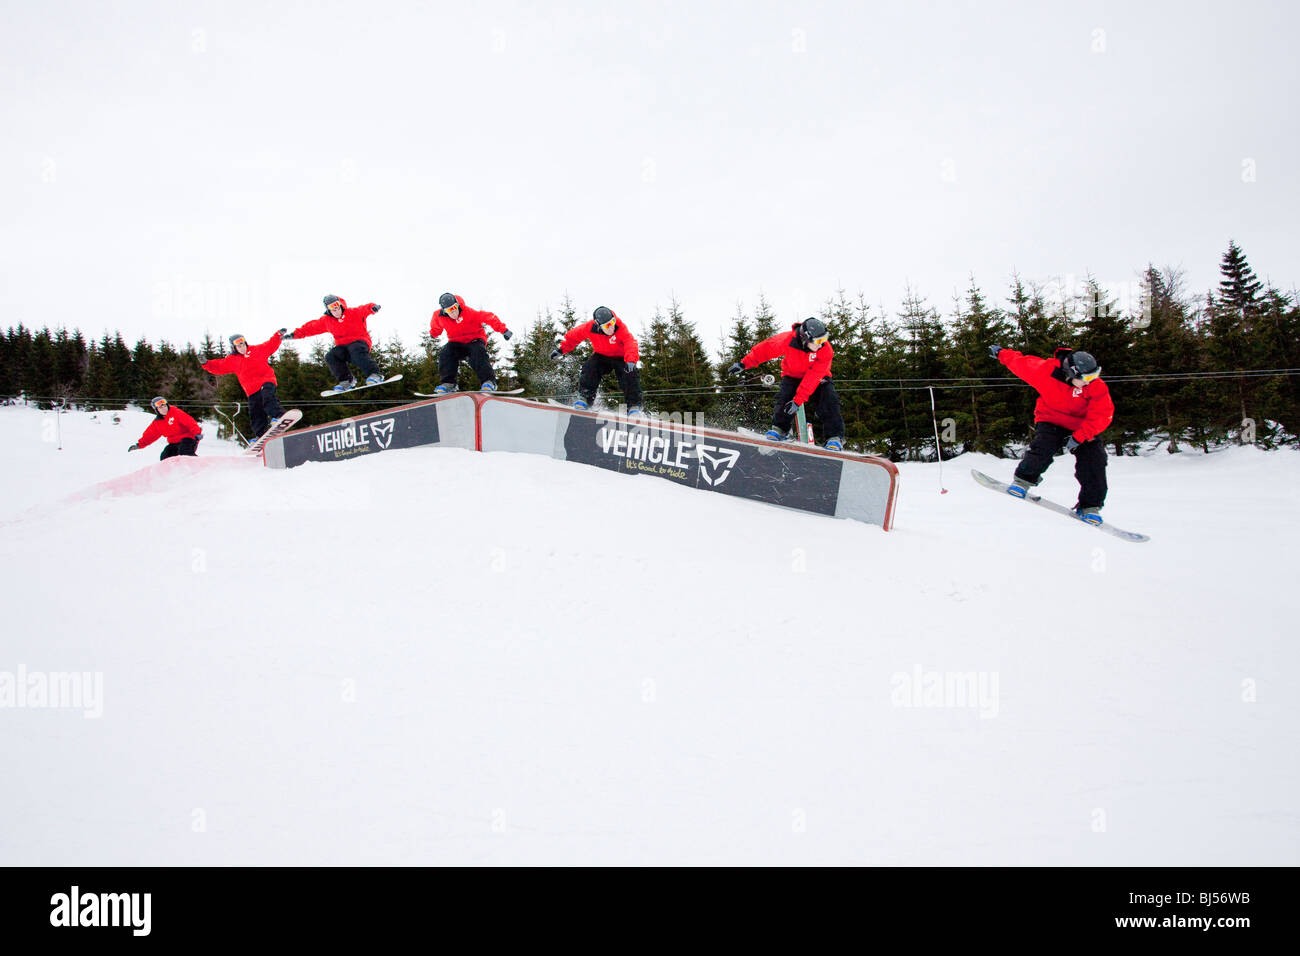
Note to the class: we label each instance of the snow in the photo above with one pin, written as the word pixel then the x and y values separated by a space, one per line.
pixel 436 656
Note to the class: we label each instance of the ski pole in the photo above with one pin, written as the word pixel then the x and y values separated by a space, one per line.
pixel 938 448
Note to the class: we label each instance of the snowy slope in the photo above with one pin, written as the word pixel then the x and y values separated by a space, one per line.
pixel 438 656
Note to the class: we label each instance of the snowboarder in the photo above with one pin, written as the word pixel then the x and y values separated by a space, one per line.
pixel 182 432
pixel 256 377
pixel 466 342
pixel 1073 408
pixel 806 356
pixel 614 349
pixel 351 340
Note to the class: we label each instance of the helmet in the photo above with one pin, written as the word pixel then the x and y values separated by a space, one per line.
pixel 330 300
pixel 156 401
pixel 446 301
pixel 605 318
pixel 813 333
pixel 236 339
pixel 1081 365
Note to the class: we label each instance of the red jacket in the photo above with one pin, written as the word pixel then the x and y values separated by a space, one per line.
pixel 468 328
pixel 176 426
pixel 250 368
pixel 796 360
pixel 622 344
pixel 1086 411
pixel 350 328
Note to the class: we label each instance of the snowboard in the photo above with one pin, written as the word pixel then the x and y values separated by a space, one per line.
pixel 287 421
pixel 512 391
pixel 1001 487
pixel 356 388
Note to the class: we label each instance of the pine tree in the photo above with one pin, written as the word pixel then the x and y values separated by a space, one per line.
pixel 923 333
pixel 1232 325
pixel 536 371
pixel 742 401
pixel 984 413
pixel 685 373
pixel 40 369
pixel 654 343
pixel 1105 334
pixel 1239 287
pixel 1165 345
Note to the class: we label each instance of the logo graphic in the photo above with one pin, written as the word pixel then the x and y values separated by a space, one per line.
pixel 725 458
pixel 383 431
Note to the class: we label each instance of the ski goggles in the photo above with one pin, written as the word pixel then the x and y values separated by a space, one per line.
pixel 158 403
pixel 609 327
pixel 236 343
pixel 818 342
pixel 1090 376
pixel 452 310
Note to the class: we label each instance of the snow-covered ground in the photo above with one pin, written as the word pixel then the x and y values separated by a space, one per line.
pixel 445 657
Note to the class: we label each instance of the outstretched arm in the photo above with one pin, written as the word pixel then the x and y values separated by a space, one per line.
pixel 573 337
pixel 490 319
pixel 267 348
pixel 150 434
pixel 1023 367
pixel 314 327
pixel 765 350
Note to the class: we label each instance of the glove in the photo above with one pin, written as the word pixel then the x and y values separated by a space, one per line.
pixel 285 334
pixel 134 447
pixel 1072 444
pixel 994 350
pixel 374 308
pixel 630 366
pixel 506 335
pixel 735 368
pixel 198 438
pixel 791 408
pixel 555 354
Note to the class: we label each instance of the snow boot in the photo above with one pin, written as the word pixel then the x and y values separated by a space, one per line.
pixel 1091 515
pixel 444 388
pixel 835 444
pixel 634 412
pixel 1018 488
pixel 345 385
pixel 581 404
pixel 488 386
pixel 374 378
pixel 775 434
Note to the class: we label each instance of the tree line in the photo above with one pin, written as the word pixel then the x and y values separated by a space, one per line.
pixel 1184 369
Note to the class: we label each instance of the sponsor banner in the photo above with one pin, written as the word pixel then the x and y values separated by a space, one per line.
pixel 401 428
pixel 707 461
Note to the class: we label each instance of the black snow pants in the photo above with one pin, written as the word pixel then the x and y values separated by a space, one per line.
pixel 1089 462
pixel 475 352
pixel 358 353
pixel 186 446
pixel 823 400
pixel 598 366
pixel 263 405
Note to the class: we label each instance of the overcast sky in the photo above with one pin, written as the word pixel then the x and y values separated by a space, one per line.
pixel 170 167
